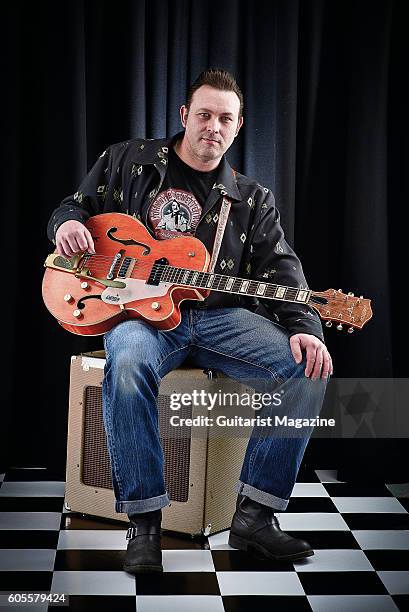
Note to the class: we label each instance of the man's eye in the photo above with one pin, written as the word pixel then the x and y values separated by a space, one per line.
pixel 204 114
pixel 226 119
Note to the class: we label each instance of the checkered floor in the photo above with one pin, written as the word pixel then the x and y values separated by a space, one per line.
pixel 360 535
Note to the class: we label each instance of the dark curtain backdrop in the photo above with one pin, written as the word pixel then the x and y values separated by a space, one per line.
pixel 325 86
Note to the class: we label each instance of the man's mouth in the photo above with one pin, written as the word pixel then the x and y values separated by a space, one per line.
pixel 210 140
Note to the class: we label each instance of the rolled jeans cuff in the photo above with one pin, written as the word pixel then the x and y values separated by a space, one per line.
pixel 142 505
pixel 262 497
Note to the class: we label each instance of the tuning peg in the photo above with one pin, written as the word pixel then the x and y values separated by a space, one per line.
pixel 339 327
pixel 361 297
pixel 328 323
pixel 350 293
pixel 350 330
pixel 340 290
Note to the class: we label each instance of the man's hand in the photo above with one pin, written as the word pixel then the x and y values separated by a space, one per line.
pixel 73 237
pixel 319 360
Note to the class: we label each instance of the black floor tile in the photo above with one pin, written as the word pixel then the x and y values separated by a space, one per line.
pixel 376 520
pixel 73 520
pixel 171 541
pixel 327 539
pixel 25 538
pixel 99 603
pixel 355 489
pixel 31 504
pixel 240 561
pixel 25 581
pixel 32 475
pixel 89 560
pixel 265 603
pixel 311 504
pixel 388 560
pixel 177 583
pixel 351 583
pixel 402 601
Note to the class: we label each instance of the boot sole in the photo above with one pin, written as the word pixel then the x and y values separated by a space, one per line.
pixel 242 544
pixel 143 569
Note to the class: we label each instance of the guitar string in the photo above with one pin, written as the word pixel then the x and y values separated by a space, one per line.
pixel 175 271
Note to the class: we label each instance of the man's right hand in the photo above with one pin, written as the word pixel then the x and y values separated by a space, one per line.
pixel 73 237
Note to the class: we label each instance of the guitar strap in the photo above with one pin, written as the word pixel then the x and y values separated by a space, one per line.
pixel 221 226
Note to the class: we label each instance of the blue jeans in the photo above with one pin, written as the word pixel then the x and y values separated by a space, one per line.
pixel 237 342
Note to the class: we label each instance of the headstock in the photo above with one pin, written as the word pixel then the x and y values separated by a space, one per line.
pixel 342 308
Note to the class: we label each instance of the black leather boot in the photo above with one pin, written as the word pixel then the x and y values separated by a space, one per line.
pixel 144 552
pixel 255 527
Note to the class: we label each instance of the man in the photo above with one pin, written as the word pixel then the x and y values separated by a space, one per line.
pixel 173 218
pixel 143 178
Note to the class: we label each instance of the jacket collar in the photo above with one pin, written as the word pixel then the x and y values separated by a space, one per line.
pixel 156 151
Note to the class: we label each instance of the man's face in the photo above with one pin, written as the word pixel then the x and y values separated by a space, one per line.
pixel 211 123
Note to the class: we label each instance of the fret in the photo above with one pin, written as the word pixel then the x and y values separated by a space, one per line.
pixel 201 279
pixel 302 295
pixel 252 288
pixel 232 284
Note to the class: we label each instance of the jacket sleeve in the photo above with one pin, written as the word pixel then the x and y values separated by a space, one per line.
pixel 273 260
pixel 88 199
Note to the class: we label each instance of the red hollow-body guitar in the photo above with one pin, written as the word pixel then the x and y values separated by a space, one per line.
pixel 132 275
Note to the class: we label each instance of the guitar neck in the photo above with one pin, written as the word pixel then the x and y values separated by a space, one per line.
pixel 227 284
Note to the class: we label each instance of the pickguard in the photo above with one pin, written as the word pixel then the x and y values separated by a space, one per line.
pixel 135 289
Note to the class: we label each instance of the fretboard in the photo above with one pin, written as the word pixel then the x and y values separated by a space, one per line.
pixel 228 284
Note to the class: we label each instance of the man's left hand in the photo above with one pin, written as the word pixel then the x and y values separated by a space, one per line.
pixel 319 362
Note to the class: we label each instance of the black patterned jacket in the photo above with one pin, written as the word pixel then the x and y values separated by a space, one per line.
pixel 128 176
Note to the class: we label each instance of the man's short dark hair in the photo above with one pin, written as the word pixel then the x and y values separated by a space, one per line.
pixel 219 79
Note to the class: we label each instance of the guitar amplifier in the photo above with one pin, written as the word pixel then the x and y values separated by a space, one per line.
pixel 200 469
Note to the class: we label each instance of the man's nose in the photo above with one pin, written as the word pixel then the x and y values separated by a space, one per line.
pixel 213 125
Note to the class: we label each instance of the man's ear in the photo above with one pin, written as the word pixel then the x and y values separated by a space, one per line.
pixel 183 115
pixel 239 124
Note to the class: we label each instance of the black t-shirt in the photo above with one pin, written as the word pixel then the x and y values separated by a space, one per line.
pixel 178 206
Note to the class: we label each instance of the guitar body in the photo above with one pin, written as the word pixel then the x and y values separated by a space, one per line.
pixel 82 304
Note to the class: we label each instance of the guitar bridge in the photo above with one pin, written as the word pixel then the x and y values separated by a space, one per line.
pixel 73 265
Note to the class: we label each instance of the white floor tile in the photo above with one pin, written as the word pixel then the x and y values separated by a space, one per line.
pixel 328 475
pixel 92 539
pixel 312 521
pixel 399 490
pixel 219 541
pixel 352 603
pixel 93 583
pixel 259 583
pixel 27 560
pixel 30 520
pixel 397 583
pixel 187 561
pixel 309 489
pixel 368 504
pixel 179 603
pixel 382 540
pixel 330 560
pixel 33 489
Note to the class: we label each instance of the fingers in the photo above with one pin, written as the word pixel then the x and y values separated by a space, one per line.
pixel 73 237
pixel 295 346
pixel 311 359
pixel 320 365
